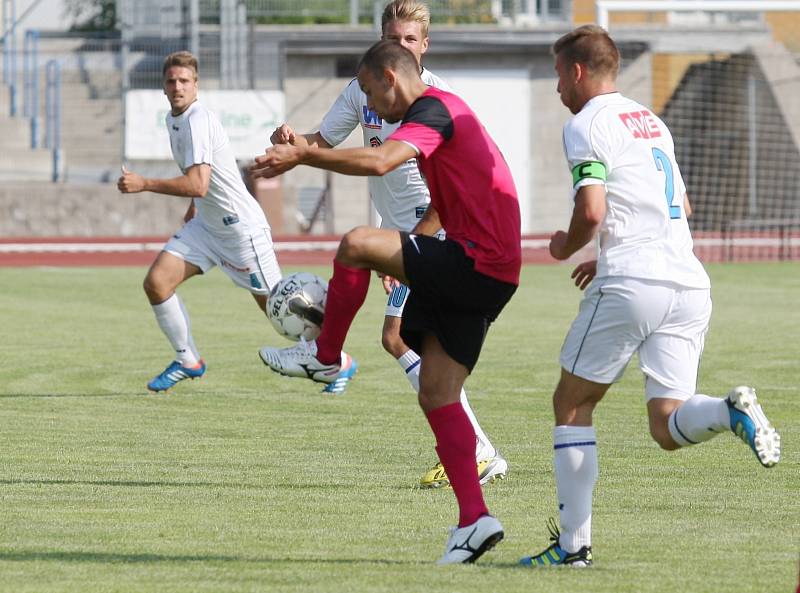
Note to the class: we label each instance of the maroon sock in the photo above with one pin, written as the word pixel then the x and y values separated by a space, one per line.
pixel 455 444
pixel 346 293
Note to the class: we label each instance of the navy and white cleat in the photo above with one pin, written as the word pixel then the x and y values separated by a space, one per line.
pixel 174 373
pixel 301 360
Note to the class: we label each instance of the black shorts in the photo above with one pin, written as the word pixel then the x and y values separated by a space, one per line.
pixel 448 298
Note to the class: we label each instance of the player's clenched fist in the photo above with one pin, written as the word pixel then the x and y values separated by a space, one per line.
pixel 278 159
pixel 130 182
pixel 283 135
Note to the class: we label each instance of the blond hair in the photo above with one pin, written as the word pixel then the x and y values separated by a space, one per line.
pixel 183 59
pixel 591 46
pixel 407 10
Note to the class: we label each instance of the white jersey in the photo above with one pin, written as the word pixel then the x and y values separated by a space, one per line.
pixel 227 210
pixel 622 144
pixel 401 196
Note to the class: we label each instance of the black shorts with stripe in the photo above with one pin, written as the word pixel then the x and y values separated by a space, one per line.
pixel 448 298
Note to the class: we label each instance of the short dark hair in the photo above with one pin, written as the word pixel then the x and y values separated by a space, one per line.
pixel 591 46
pixel 184 59
pixel 388 54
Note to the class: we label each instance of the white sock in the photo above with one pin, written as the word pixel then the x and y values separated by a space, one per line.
pixel 410 364
pixel 698 419
pixel 575 453
pixel 175 325
pixel 192 346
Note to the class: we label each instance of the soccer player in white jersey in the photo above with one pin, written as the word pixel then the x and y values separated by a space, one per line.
pixel 400 198
pixel 648 293
pixel 224 225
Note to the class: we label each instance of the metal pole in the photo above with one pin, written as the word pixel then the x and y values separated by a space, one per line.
pixel 241 45
pixel 194 27
pixel 34 89
pixel 752 138
pixel 53 110
pixel 354 12
pixel 13 57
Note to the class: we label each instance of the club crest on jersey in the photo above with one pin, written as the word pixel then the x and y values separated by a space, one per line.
pixel 371 119
pixel 374 142
pixel 642 124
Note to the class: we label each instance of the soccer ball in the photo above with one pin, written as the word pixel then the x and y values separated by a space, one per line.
pixel 296 305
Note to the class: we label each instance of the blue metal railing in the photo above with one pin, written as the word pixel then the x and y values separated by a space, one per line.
pixel 53 114
pixel 30 89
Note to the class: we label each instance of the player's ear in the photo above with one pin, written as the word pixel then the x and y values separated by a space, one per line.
pixel 390 76
pixel 424 45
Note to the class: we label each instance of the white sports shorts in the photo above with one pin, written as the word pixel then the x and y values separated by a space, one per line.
pixel 618 317
pixel 397 301
pixel 249 260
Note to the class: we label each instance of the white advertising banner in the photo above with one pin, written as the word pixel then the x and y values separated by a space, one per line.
pixel 502 101
pixel 249 117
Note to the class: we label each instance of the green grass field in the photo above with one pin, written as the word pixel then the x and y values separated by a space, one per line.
pixel 248 481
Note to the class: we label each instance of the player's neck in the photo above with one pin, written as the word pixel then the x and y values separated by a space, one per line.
pixel 177 112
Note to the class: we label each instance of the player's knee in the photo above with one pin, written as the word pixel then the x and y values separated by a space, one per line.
pixel 156 291
pixel 663 438
pixel 350 248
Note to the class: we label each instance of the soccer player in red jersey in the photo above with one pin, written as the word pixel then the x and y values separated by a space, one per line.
pixel 458 286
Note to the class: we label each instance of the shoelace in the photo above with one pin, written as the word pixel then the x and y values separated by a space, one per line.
pixel 301 350
pixel 552 527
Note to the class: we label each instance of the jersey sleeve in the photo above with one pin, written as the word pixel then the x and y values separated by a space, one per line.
pixel 342 117
pixel 426 125
pixel 200 148
pixel 587 158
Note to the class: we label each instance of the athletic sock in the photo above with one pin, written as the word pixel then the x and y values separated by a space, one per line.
pixel 698 419
pixel 410 363
pixel 455 445
pixel 346 293
pixel 576 473
pixel 175 325
pixel 192 346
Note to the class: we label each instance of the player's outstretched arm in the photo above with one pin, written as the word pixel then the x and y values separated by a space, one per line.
pixel 192 184
pixel 588 214
pixel 286 135
pixel 349 161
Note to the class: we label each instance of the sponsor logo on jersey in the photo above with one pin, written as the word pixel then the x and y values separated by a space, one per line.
pixel 371 119
pixel 174 127
pixel 374 142
pixel 230 219
pixel 420 211
pixel 642 124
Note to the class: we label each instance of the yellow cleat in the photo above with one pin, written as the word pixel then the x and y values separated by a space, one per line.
pixel 489 470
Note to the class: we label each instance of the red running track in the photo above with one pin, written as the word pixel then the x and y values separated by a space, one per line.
pixel 320 250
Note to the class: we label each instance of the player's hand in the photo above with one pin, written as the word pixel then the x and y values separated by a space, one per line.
pixel 584 273
pixel 282 135
pixel 130 183
pixel 389 283
pixel 191 212
pixel 277 160
pixel 558 243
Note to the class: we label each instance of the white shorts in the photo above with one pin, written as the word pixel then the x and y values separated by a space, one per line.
pixel 664 323
pixel 397 301
pixel 249 260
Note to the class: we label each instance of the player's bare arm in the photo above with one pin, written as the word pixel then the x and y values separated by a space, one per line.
pixel 192 184
pixel 687 206
pixel 589 212
pixel 286 135
pixel 350 161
